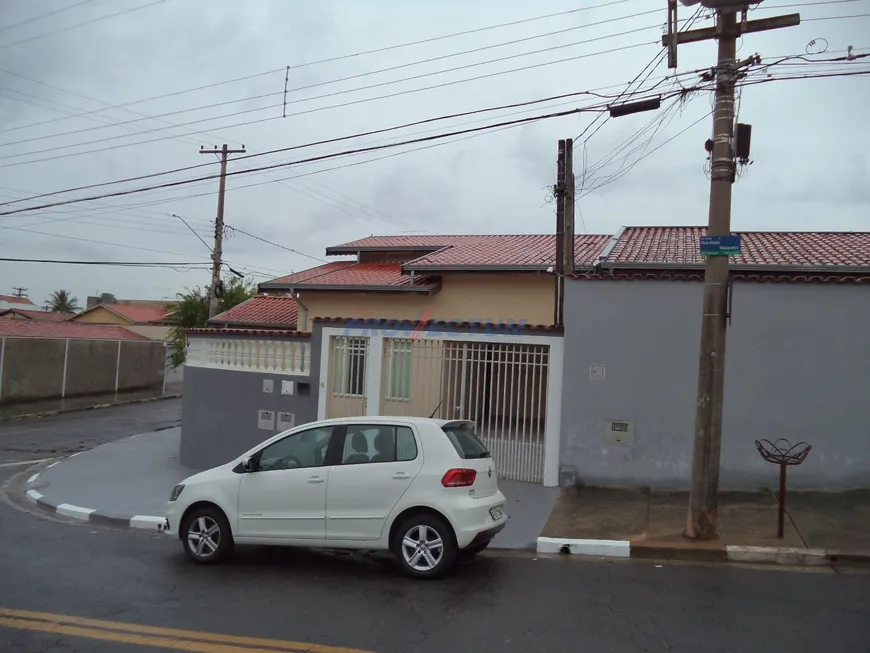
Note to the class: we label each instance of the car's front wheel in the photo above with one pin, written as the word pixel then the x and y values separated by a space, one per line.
pixel 206 536
pixel 424 546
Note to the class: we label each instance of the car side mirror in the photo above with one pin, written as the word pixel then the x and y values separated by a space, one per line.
pixel 249 465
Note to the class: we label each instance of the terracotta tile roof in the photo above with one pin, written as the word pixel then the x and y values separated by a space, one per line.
pixel 481 251
pixel 512 251
pixel 42 316
pixel 137 314
pixel 12 299
pixel 349 274
pixel 75 330
pixel 395 243
pixel 261 311
pixel 220 331
pixel 679 246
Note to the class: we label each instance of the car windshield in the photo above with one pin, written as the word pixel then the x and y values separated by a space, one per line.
pixel 466 442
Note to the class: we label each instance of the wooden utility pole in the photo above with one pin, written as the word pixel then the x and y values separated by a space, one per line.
pixel 568 253
pixel 703 510
pixel 559 267
pixel 217 252
pixel 563 195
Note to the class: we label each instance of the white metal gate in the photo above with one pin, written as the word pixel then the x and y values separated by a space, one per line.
pixel 348 358
pixel 502 387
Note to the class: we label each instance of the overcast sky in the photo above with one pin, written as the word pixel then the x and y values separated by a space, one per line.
pixel 809 142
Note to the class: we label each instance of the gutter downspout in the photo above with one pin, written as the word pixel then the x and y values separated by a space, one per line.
pixel 295 295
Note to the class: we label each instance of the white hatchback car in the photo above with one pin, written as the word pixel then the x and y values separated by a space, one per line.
pixel 424 489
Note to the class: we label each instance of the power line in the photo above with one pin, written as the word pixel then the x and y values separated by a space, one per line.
pixel 132 264
pixel 335 106
pixel 307 99
pixel 341 166
pixel 807 20
pixel 269 242
pixel 373 72
pixel 321 142
pixel 6 28
pixel 297 162
pixel 317 196
pixel 655 149
pixel 77 25
pixel 145 249
pixel 332 59
pixel 372 160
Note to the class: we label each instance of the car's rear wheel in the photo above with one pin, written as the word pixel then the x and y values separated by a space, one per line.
pixel 206 536
pixel 424 546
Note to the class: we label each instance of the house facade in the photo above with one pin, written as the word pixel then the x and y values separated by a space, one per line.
pixel 419 326
pixel 797 360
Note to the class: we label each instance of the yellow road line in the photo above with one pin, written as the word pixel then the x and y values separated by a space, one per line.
pixel 170 638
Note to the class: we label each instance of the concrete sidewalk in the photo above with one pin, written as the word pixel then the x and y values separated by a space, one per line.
pixel 127 483
pixel 820 527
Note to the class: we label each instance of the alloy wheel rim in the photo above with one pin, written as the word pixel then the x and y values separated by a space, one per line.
pixel 422 548
pixel 203 537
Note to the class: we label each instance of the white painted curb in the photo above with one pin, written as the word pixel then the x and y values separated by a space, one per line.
pixel 601 548
pixel 33 495
pixel 775 555
pixel 76 512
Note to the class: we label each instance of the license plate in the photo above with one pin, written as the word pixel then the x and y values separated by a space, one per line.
pixel 496 513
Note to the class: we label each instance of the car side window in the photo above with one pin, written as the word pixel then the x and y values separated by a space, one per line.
pixel 406 445
pixel 378 443
pixel 296 451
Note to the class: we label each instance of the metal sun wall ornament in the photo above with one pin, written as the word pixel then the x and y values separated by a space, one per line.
pixel 782 453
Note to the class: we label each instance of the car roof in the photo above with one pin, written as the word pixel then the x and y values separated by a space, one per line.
pixel 370 419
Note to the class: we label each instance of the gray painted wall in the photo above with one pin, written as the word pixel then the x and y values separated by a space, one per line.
pixel 220 410
pixel 797 366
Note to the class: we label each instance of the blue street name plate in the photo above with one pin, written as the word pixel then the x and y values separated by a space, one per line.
pixel 720 245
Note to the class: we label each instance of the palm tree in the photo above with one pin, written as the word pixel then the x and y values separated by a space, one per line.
pixel 63 302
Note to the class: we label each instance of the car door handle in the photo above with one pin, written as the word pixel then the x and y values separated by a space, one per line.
pixel 315 479
pixel 401 476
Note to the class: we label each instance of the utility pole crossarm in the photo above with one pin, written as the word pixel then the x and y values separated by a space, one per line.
pixel 217 252
pixel 760 25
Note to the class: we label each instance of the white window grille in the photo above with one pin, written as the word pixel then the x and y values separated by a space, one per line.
pixel 349 367
pixel 399 366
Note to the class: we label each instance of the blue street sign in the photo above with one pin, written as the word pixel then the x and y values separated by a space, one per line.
pixel 720 245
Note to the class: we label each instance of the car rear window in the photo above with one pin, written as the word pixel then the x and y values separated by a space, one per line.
pixel 466 442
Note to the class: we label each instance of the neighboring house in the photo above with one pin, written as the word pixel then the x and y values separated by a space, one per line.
pixel 501 278
pixel 12 301
pixel 32 314
pixel 261 312
pixel 144 320
pixel 44 360
pixel 797 359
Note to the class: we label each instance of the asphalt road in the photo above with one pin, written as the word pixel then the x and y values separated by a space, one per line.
pixel 56 577
pixel 67 433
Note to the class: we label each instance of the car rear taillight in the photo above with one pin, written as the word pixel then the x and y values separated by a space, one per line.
pixel 459 478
